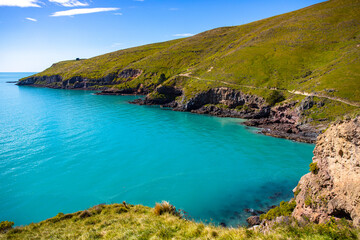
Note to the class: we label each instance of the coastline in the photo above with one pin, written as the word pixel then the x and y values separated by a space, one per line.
pixel 253 212
pixel 269 120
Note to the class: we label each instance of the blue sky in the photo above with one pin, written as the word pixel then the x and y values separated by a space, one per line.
pixel 36 33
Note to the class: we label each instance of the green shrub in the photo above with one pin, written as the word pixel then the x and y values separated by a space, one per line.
pixel 5 225
pixel 308 201
pixel 157 96
pixel 285 209
pixel 121 209
pixel 161 79
pixel 239 107
pixel 223 106
pixel 242 108
pixel 275 97
pixel 314 168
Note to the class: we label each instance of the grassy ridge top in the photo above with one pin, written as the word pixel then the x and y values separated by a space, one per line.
pixel 138 222
pixel 315 49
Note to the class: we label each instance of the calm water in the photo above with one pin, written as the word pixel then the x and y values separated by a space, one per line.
pixel 64 151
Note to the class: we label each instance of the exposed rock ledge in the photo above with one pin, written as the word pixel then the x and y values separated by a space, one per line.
pixel 280 121
pixel 79 82
pixel 332 189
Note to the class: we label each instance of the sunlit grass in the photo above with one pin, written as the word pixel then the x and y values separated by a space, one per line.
pixel 125 221
pixel 312 50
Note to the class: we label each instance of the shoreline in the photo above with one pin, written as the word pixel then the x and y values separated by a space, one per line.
pixel 272 129
pixel 266 125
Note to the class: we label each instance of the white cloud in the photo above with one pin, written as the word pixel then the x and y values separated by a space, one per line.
pixel 138 0
pixel 118 13
pixel 183 35
pixel 31 19
pixel 117 44
pixel 35 3
pixel 20 3
pixel 70 3
pixel 78 11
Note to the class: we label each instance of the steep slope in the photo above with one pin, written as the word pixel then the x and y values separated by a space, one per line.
pixel 314 51
pixel 332 189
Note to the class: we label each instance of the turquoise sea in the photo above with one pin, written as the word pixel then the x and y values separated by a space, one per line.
pixel 67 150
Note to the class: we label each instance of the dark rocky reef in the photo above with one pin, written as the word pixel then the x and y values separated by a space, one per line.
pixel 284 121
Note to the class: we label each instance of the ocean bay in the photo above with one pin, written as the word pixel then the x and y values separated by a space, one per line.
pixel 64 151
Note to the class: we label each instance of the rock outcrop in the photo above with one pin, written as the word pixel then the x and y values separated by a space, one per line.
pixel 160 96
pixel 284 121
pixel 222 102
pixel 253 221
pixel 79 82
pixel 40 80
pixel 332 189
pixel 130 73
pixel 226 102
pixel 223 95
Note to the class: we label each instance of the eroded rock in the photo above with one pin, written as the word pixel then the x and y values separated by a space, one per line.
pixel 253 220
pixel 284 121
pixel 334 189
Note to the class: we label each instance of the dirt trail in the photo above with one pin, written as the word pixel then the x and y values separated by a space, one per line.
pixel 188 74
pixel 324 96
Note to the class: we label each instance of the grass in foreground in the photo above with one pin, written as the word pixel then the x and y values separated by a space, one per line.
pixel 124 221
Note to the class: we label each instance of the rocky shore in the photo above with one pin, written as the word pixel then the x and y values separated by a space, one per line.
pixel 332 188
pixel 330 192
pixel 284 121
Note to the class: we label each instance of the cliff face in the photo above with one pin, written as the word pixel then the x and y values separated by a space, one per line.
pixel 279 121
pixel 332 189
pixel 79 82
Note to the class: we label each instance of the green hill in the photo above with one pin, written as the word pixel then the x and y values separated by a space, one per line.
pixel 311 51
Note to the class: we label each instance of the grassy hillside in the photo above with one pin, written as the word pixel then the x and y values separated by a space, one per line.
pixel 315 49
pixel 138 222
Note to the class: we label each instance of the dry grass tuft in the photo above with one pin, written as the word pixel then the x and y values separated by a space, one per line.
pixel 165 207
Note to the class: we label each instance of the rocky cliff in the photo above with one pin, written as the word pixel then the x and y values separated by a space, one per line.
pixel 287 121
pixel 284 121
pixel 332 188
pixel 79 82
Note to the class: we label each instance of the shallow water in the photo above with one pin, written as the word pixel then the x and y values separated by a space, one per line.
pixel 64 151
